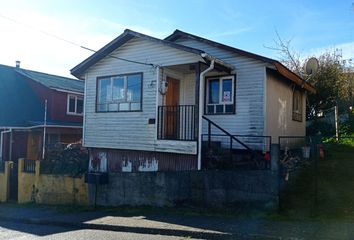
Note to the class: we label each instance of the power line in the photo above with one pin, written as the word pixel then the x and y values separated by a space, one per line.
pixel 119 58
pixel 76 44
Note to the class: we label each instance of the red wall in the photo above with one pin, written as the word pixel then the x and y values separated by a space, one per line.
pixel 56 103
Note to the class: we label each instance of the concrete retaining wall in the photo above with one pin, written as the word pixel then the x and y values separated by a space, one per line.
pixel 50 189
pixel 207 188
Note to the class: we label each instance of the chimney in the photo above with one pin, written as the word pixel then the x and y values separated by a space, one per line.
pixel 18 63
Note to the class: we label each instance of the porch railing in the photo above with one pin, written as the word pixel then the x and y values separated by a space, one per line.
pixel 176 123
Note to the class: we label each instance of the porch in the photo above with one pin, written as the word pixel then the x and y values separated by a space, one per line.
pixel 186 92
pixel 196 109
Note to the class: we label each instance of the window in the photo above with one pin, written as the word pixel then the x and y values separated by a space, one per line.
pixel 75 105
pixel 297 106
pixel 220 95
pixel 119 93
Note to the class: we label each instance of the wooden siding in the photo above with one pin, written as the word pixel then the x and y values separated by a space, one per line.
pixel 130 130
pixel 56 103
pixel 279 106
pixel 250 77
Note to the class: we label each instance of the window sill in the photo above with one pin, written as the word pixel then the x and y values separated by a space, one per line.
pixel 211 114
pixel 118 111
pixel 74 114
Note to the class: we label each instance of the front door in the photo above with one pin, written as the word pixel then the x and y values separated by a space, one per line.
pixel 172 102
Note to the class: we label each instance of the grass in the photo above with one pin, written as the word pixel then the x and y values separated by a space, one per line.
pixel 335 187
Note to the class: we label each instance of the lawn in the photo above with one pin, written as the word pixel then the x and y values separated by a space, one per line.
pixel 335 187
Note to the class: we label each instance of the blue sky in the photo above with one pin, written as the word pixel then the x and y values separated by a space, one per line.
pixel 313 26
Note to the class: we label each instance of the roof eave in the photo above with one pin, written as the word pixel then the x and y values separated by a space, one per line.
pixel 79 69
pixel 285 72
pixel 127 35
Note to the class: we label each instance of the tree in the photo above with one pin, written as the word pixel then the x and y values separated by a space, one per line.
pixel 333 80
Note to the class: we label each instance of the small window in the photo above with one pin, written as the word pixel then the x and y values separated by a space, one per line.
pixel 297 106
pixel 119 93
pixel 220 95
pixel 75 105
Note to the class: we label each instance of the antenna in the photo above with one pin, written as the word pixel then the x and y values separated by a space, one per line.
pixel 311 66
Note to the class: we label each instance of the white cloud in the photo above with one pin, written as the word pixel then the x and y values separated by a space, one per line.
pixel 347 50
pixel 229 33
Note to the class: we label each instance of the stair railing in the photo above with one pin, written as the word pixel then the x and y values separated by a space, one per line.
pixel 232 137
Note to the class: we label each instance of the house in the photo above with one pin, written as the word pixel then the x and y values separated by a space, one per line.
pixel 37 110
pixel 155 104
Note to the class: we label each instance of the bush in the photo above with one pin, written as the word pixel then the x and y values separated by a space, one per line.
pixel 347 128
pixel 65 159
pixel 325 128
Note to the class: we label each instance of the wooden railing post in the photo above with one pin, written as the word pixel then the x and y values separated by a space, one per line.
pixel 231 148
pixel 209 135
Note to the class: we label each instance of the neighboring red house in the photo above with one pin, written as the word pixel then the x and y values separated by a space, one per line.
pixel 34 105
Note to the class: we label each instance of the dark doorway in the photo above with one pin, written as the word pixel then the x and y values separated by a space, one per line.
pixel 18 150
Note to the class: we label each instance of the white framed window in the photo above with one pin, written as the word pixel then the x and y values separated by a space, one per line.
pixel 121 93
pixel 220 95
pixel 75 105
pixel 297 106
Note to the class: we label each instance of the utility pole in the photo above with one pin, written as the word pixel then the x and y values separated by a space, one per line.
pixel 336 119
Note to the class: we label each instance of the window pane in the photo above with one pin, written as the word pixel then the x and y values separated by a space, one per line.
pixel 118 93
pixel 113 107
pixel 80 106
pixel 124 107
pixel 134 88
pixel 104 91
pixel 102 107
pixel 227 90
pixel 210 109
pixel 135 106
pixel 229 108
pixel 214 91
pixel 72 104
pixel 219 108
pixel 297 102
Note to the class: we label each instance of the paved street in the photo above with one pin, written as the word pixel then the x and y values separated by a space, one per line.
pixel 14 231
pixel 42 222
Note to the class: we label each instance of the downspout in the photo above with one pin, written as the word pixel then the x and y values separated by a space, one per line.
pixel 44 129
pixel 201 110
pixel 157 103
pixel 10 147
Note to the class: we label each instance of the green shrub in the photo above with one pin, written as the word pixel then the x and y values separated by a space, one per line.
pixel 61 159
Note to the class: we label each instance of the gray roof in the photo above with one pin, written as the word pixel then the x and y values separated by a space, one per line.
pixel 54 81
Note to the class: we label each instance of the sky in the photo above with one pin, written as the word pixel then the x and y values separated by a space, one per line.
pixel 45 35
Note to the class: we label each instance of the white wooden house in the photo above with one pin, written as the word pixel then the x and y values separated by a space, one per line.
pixel 151 103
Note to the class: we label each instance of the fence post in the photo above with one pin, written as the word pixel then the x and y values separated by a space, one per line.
pixel 7 178
pixel 38 168
pixel 274 157
pixel 274 167
pixel 21 165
